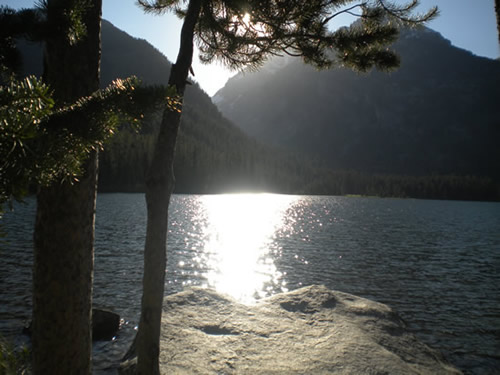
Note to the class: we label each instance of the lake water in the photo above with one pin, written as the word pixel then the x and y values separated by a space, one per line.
pixel 436 262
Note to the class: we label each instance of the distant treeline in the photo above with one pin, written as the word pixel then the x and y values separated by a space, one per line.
pixel 451 187
pixel 214 157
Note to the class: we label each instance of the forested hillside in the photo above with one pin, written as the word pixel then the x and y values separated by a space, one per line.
pixel 438 114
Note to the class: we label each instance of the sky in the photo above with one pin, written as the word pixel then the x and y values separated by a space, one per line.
pixel 468 24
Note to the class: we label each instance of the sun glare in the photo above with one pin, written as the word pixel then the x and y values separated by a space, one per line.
pixel 246 19
pixel 237 243
pixel 244 24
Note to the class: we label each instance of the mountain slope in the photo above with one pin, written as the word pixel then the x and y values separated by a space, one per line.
pixel 212 154
pixel 438 113
pixel 123 56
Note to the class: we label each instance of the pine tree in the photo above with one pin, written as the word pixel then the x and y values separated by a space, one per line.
pixel 64 228
pixel 242 34
pixel 50 136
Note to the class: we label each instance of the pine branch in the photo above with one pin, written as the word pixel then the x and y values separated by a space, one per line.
pixel 157 7
pixel 298 28
pixel 42 143
pixel 403 13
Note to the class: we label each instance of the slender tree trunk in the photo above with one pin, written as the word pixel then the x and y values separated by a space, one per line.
pixel 64 228
pixel 159 187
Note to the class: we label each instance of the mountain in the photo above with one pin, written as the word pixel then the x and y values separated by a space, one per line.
pixel 213 155
pixel 439 113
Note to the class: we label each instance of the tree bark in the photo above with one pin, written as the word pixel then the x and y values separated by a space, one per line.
pixel 64 227
pixel 159 187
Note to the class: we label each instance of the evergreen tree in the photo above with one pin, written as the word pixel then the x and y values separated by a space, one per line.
pixel 64 227
pixel 51 137
pixel 243 34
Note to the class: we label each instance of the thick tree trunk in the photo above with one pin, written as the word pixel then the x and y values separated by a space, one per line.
pixel 64 228
pixel 159 187
pixel 62 276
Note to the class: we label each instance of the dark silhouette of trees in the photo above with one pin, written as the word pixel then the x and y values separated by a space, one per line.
pixel 243 34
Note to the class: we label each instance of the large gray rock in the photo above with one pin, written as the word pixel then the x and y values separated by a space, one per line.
pixel 312 330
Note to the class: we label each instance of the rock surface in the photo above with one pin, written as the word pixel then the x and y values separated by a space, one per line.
pixel 312 330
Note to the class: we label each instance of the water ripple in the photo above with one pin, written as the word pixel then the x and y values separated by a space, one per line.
pixel 436 262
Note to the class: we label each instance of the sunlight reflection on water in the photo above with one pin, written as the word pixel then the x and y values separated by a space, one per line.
pixel 238 234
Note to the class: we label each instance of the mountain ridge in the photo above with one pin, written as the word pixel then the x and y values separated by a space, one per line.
pixel 442 100
pixel 215 156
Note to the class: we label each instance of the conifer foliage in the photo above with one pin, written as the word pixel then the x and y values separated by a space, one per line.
pixel 39 139
pixel 243 34
pixel 40 142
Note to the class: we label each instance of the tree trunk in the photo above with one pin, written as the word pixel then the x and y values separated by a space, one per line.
pixel 64 228
pixel 159 187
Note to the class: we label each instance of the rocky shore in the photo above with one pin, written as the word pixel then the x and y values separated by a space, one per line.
pixel 312 330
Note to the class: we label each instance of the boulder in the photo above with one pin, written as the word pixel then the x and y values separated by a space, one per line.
pixel 105 324
pixel 312 330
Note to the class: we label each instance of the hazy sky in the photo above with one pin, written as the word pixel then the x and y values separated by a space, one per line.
pixel 468 24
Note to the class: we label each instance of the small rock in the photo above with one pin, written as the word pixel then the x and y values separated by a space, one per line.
pixel 105 324
pixel 28 328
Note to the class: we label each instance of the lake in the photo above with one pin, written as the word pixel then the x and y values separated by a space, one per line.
pixel 436 262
